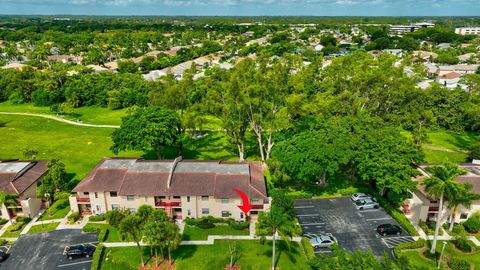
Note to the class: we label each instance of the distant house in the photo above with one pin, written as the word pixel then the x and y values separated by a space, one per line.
pixel 424 55
pixel 444 46
pixel 422 207
pixel 319 47
pixel 113 65
pixel 248 34
pixel 17 66
pixel 396 52
pixel 468 30
pixel 97 68
pixel 21 178
pixel 449 80
pixel 466 57
pixel 65 58
pixel 183 188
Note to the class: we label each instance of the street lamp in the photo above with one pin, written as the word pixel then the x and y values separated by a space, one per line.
pixel 441 254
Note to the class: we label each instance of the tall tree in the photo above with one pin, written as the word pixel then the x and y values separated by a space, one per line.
pixel 147 129
pixel 442 184
pixel 8 199
pixel 173 237
pixel 130 229
pixel 54 181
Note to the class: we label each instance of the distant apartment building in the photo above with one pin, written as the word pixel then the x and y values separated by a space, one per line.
pixel 21 178
pixel 404 29
pixel 468 30
pixel 183 188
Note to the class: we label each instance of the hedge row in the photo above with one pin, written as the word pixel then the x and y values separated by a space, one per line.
pixel 307 248
pixel 209 222
pixel 102 232
pixel 458 264
pixel 408 245
pixel 97 218
pixel 98 257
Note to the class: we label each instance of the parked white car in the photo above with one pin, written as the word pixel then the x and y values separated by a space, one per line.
pixel 362 204
pixel 321 240
pixel 357 196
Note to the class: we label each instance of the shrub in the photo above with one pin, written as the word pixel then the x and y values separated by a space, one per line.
pixel 408 245
pixel 300 195
pixel 458 229
pixel 472 225
pixel 15 227
pixel 3 221
pixel 91 228
pixel 24 219
pixel 262 240
pixel 97 257
pixel 458 264
pixel 97 218
pixel 307 248
pixel 239 225
pixel 464 244
pixel 3 242
pixel 207 219
pixel 61 195
pixel 74 217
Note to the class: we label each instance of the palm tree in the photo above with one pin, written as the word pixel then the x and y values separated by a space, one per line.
pixel 130 229
pixel 465 197
pixel 278 222
pixel 440 185
pixel 173 238
pixel 8 199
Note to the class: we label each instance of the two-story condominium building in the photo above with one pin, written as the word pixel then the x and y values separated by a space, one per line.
pixel 21 178
pixel 183 188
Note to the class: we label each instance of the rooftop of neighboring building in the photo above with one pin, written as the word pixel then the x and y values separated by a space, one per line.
pixel 17 176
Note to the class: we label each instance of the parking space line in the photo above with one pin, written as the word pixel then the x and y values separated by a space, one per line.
pixel 311 215
pixel 308 224
pixel 306 206
pixel 322 251
pixel 370 210
pixel 70 264
pixel 385 218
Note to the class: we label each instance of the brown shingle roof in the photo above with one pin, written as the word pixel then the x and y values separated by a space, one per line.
pixel 16 182
pixel 194 178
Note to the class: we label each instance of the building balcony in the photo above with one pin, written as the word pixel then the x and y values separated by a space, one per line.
pixel 433 209
pixel 83 200
pixel 168 204
pixel 257 206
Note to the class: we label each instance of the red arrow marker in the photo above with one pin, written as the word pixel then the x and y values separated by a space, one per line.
pixel 245 201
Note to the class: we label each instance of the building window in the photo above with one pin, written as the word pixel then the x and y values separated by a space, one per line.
pixel 225 214
pixel 464 216
pixel 189 212
pixel 132 210
pixel 205 211
pixel 241 215
pixel 115 206
pixel 113 194
pixel 99 208
pixel 224 200
pixel 204 198
pixel 255 200
pixel 188 199
pixel 130 198
pixel 85 193
pixel 96 195
pixel 162 197
pixel 176 197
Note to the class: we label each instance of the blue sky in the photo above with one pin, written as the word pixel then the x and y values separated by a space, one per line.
pixel 245 7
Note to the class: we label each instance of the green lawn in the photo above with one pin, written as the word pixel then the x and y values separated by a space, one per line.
pixel 9 234
pixel 58 209
pixel 253 256
pixel 44 228
pixel 436 156
pixel 91 115
pixel 458 141
pixel 80 148
pixel 417 258
pixel 113 235
pixel 195 233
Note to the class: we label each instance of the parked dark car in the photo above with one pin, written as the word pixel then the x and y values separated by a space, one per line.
pixel 389 229
pixel 3 256
pixel 85 250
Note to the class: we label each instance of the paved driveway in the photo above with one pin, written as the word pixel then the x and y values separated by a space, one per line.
pixel 44 251
pixel 354 229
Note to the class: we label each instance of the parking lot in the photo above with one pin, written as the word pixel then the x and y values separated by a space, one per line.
pixel 354 229
pixel 45 251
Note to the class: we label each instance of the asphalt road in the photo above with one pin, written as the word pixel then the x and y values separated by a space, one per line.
pixel 44 251
pixel 354 229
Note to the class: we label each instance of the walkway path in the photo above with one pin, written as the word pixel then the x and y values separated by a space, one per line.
pixel 445 149
pixel 60 119
pixel 30 224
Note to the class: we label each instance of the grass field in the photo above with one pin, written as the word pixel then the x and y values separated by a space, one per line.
pixel 113 234
pixel 195 233
pixel 437 156
pixel 80 148
pixel 253 256
pixel 58 209
pixel 418 260
pixel 13 234
pixel 44 228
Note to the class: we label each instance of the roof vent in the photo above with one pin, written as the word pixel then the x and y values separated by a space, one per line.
pixel 170 176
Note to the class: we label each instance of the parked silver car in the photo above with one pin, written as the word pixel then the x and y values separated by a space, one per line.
pixel 357 196
pixel 366 204
pixel 321 240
